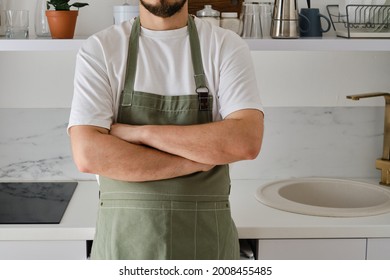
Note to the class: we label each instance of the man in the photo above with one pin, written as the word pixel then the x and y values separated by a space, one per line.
pixel 162 105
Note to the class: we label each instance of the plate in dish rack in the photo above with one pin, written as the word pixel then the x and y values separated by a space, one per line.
pixel 352 16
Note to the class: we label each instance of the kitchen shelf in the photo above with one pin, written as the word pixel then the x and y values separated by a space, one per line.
pixel 319 44
pixel 316 44
pixel 41 44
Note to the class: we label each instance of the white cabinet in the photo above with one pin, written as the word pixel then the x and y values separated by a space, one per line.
pixel 324 249
pixel 43 250
pixel 378 249
pixel 311 249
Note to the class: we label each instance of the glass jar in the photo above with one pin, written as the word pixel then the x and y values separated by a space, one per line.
pixel 230 21
pixel 41 25
pixel 2 19
pixel 266 9
pixel 209 14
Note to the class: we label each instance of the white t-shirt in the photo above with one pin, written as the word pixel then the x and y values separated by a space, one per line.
pixel 164 67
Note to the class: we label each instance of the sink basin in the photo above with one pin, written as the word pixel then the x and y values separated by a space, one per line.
pixel 325 197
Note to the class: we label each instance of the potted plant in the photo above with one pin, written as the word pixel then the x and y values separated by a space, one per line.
pixel 62 20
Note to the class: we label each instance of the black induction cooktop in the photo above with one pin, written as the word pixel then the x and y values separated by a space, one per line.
pixel 34 202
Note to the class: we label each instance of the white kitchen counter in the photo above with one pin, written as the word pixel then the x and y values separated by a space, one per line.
pixel 253 219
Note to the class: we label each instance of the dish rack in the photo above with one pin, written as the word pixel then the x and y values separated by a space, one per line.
pixel 360 21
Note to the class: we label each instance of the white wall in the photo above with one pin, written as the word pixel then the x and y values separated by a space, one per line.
pixel 285 78
pixel 36 79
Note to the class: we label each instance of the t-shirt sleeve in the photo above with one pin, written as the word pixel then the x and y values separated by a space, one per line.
pixel 92 98
pixel 238 87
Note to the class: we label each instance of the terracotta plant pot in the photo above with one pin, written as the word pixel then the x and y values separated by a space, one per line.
pixel 62 24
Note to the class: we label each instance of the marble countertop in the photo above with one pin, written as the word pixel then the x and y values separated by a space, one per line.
pixel 253 219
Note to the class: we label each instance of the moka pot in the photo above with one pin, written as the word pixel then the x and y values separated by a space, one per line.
pixel 285 20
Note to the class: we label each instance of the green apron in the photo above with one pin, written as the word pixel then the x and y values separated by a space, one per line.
pixel 181 218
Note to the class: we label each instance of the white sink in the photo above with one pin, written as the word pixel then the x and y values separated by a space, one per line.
pixel 326 197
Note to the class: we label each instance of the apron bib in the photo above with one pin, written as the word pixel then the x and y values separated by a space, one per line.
pixel 181 218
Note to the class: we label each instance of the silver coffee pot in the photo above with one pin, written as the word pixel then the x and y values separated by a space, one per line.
pixel 285 20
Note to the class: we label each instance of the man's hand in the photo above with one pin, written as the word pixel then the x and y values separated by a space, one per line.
pixel 126 132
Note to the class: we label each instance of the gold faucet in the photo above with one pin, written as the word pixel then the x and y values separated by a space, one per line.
pixel 383 163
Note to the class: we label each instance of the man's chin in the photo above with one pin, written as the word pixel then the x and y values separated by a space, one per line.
pixel 164 9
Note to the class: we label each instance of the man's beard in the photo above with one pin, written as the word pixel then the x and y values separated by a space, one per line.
pixel 164 9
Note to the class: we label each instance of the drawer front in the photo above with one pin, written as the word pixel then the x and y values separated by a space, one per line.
pixel 43 250
pixel 312 249
pixel 378 249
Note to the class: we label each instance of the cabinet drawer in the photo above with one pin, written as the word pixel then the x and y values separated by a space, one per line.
pixel 43 250
pixel 311 249
pixel 378 249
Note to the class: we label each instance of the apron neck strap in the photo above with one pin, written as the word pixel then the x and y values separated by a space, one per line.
pixel 132 56
pixel 199 76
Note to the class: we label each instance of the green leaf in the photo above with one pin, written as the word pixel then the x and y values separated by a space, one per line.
pixel 63 5
pixel 79 5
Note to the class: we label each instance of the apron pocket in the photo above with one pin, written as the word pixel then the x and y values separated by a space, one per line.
pixel 204 230
pixel 139 229
pixel 132 230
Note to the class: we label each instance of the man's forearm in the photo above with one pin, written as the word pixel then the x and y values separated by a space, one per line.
pixel 238 137
pixel 97 152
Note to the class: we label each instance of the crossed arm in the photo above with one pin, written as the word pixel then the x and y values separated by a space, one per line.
pixel 144 153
